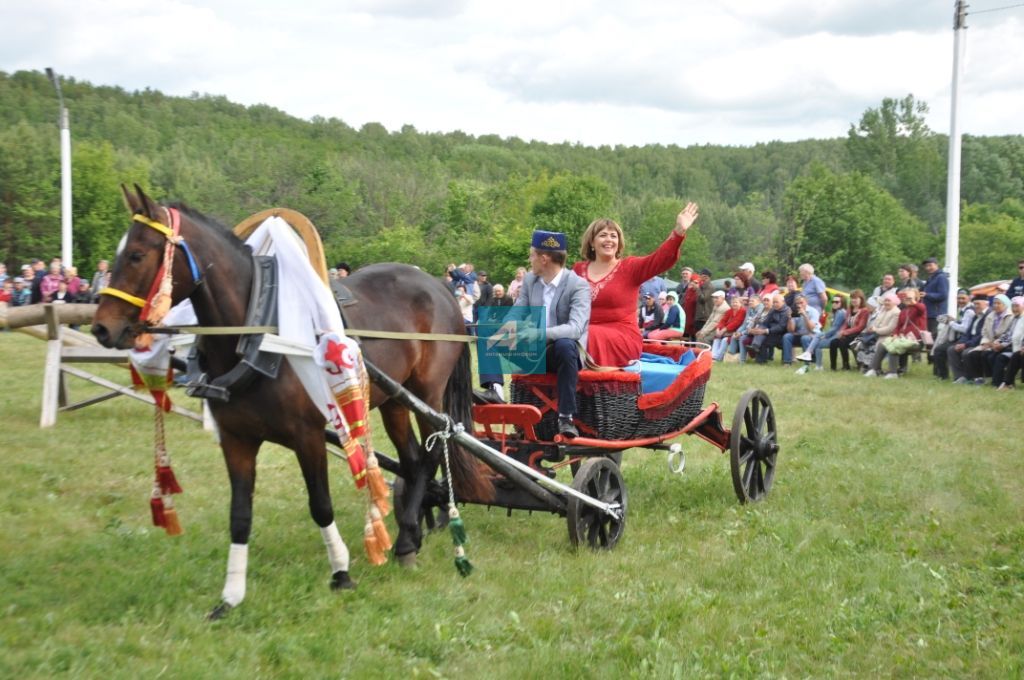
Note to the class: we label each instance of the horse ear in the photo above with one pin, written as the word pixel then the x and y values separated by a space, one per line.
pixel 131 201
pixel 146 205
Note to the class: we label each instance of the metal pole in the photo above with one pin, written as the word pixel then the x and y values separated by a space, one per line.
pixel 953 174
pixel 65 173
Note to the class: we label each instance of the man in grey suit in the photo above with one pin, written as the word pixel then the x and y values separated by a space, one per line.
pixel 566 299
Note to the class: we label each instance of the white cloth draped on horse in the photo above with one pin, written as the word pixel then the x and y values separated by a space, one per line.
pixel 310 334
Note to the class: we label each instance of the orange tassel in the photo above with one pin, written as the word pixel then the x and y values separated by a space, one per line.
pixel 373 550
pixel 171 524
pixel 381 532
pixel 379 491
pixel 156 507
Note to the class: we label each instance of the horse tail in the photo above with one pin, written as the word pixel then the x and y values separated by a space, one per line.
pixel 469 478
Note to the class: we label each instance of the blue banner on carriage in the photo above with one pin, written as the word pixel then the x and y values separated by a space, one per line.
pixel 511 340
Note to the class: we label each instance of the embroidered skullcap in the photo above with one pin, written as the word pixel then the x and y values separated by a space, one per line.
pixel 548 240
pixel 892 297
pixel 1019 301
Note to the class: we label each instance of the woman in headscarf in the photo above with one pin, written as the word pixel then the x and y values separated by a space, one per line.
pixel 883 326
pixel 1013 360
pixel 994 337
pixel 673 324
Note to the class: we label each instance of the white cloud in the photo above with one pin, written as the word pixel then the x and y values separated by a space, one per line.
pixel 728 71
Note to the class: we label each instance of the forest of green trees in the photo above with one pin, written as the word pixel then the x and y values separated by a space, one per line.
pixel 854 207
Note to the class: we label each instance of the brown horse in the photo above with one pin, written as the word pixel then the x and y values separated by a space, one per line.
pixel 391 297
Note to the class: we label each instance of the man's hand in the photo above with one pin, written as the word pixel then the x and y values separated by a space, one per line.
pixel 529 335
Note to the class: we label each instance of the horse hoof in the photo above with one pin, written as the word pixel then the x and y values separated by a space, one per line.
pixel 219 612
pixel 407 561
pixel 341 581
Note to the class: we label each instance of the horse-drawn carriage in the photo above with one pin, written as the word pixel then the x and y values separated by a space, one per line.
pixel 413 343
pixel 614 415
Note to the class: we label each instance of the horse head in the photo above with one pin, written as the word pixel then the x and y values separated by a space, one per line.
pixel 137 283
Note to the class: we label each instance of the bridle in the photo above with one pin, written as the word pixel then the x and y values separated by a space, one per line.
pixel 158 301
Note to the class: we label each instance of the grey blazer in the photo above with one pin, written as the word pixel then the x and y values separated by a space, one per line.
pixel 572 305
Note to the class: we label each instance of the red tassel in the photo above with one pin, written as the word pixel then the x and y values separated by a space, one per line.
pixel 156 506
pixel 165 477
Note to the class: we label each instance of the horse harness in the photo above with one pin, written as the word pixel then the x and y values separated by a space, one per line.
pixel 262 311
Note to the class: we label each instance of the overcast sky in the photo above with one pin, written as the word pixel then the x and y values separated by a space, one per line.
pixel 639 72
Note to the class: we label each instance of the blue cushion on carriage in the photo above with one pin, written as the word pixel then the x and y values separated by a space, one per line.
pixel 657 372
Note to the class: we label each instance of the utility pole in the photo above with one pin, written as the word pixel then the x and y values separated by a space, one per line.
pixel 65 173
pixel 953 173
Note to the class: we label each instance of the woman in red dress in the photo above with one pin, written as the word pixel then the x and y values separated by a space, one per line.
pixel 613 337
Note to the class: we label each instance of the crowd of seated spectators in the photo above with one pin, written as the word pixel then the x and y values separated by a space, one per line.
pixel 902 321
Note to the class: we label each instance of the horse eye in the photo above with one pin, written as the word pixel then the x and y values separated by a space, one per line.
pixel 135 256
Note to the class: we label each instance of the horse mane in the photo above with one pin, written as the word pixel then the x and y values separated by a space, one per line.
pixel 213 225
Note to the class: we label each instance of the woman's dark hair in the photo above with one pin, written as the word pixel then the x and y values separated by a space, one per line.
pixel 770 275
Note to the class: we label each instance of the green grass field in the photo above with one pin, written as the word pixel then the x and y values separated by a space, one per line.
pixel 891 545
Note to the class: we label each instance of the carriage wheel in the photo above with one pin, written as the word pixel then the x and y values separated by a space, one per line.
pixel 754 446
pixel 598 478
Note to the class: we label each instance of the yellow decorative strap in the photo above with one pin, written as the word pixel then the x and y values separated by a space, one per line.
pixel 137 301
pixel 162 228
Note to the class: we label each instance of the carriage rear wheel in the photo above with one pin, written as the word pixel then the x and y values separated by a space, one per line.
pixel 600 479
pixel 754 446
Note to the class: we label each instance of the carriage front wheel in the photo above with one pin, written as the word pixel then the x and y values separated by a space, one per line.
pixel 754 446
pixel 601 479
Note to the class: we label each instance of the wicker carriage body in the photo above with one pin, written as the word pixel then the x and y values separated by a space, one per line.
pixel 610 404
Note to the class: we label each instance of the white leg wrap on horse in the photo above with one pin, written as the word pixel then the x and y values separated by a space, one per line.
pixel 337 553
pixel 238 562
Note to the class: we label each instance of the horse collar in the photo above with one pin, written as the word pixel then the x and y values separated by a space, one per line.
pixel 262 311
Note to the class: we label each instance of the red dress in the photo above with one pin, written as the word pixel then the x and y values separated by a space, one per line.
pixel 613 338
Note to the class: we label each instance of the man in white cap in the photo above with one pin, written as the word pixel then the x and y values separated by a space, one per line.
pixel 745 284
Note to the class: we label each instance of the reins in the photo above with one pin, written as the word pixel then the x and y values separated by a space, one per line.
pixel 355 332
